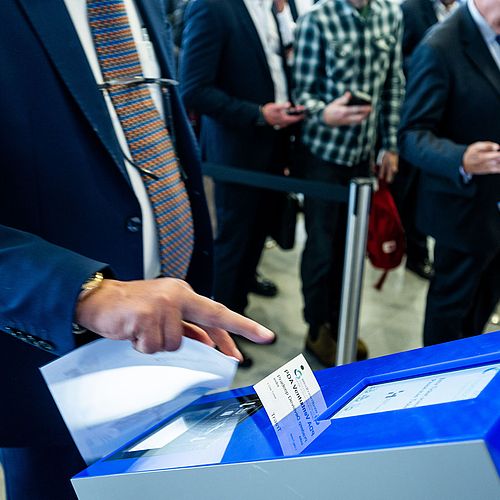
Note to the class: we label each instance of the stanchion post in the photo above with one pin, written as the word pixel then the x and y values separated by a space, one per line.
pixel 360 191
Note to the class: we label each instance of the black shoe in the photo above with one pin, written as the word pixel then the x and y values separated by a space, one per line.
pixel 264 287
pixel 423 269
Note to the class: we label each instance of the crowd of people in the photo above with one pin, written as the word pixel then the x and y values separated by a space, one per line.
pixel 104 227
pixel 276 85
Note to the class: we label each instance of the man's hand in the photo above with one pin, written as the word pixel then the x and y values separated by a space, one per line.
pixel 388 167
pixel 276 115
pixel 482 158
pixel 338 112
pixel 155 314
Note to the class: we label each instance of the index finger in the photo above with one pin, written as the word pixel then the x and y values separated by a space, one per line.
pixel 206 312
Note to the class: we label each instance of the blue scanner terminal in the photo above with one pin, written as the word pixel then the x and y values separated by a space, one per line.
pixel 422 424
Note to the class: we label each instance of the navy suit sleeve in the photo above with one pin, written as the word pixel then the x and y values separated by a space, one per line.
pixel 201 63
pixel 423 112
pixel 39 285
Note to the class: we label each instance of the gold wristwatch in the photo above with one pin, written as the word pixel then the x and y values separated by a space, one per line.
pixel 86 289
pixel 91 284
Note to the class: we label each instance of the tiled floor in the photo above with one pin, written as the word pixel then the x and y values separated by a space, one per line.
pixel 391 319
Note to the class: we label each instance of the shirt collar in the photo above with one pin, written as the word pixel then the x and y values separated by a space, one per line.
pixel 486 30
pixel 349 9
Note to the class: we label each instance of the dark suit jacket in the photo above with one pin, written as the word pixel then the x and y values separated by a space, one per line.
pixel 225 77
pixel 418 16
pixel 64 184
pixel 452 101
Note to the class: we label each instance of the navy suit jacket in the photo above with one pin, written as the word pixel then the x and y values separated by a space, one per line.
pixel 452 101
pixel 225 77
pixel 418 16
pixel 67 207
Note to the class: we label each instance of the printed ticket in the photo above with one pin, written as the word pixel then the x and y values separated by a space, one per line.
pixel 293 401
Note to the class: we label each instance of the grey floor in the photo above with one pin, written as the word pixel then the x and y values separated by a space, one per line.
pixel 391 319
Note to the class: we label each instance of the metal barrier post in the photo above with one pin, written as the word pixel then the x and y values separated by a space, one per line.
pixel 360 191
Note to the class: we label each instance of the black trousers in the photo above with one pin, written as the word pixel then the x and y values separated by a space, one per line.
pixel 405 191
pixel 462 295
pixel 323 257
pixel 243 223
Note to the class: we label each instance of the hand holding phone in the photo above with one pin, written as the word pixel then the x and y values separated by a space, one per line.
pixel 295 111
pixel 359 98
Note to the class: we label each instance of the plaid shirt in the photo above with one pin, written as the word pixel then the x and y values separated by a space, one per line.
pixel 337 50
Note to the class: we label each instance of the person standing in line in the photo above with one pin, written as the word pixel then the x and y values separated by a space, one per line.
pixel 233 75
pixel 418 17
pixel 450 130
pixel 343 47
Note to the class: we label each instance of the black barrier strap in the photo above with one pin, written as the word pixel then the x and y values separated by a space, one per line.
pixel 323 190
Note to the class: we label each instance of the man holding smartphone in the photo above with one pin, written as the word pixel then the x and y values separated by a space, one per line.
pixel 234 75
pixel 348 74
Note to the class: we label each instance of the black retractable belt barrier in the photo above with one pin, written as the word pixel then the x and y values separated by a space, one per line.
pixel 223 173
pixel 358 197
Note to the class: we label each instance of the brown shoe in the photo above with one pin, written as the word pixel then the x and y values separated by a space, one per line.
pixel 324 346
pixel 361 351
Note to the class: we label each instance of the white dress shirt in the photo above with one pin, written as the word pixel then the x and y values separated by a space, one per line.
pixel 442 12
pixel 263 20
pixel 78 12
pixel 286 22
pixel 487 32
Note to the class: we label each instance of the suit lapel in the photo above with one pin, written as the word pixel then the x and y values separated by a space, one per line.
pixel 477 51
pixel 241 14
pixel 55 29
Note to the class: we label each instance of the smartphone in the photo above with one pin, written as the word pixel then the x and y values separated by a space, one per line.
pixel 359 98
pixel 295 111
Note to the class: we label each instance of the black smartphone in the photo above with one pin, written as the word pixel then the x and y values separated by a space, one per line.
pixel 295 111
pixel 359 98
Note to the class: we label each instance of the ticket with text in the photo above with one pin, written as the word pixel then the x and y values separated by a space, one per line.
pixel 293 400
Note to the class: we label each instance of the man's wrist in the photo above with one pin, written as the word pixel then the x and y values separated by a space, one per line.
pixel 91 285
pixel 466 177
pixel 88 287
pixel 261 120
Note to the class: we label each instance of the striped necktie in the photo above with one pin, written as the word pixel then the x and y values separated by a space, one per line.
pixel 147 136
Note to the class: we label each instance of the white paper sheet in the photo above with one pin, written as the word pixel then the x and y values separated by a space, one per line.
pixel 108 393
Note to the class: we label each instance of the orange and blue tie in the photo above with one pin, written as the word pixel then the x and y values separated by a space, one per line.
pixel 147 136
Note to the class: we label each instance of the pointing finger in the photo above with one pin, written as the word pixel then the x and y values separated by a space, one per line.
pixel 208 313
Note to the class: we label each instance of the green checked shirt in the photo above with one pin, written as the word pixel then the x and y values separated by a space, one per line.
pixel 338 49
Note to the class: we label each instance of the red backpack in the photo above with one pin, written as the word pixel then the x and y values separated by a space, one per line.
pixel 386 238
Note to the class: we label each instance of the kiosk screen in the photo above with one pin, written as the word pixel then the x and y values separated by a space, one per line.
pixel 444 387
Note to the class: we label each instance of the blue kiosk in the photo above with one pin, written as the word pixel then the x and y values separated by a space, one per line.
pixel 422 424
